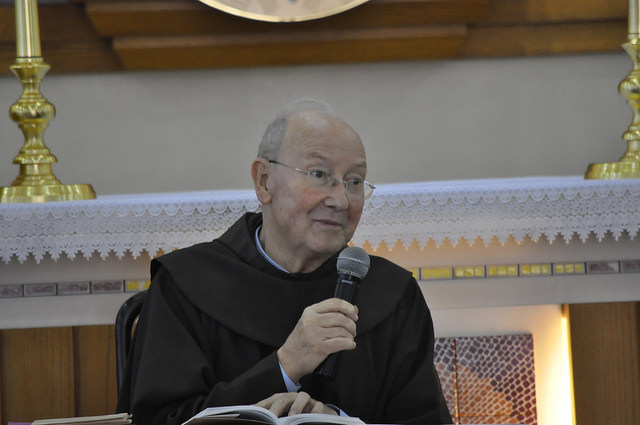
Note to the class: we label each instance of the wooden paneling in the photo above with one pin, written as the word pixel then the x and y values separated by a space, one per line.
pixel 57 372
pixel 95 353
pixel 2 419
pixel 37 374
pixel 605 346
pixel 120 35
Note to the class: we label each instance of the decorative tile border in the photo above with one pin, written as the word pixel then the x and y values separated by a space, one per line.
pixel 40 289
pixel 72 288
pixel 526 270
pixel 11 291
pixel 630 266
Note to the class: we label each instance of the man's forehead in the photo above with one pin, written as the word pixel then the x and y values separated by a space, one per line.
pixel 358 161
pixel 310 120
pixel 327 149
pixel 317 126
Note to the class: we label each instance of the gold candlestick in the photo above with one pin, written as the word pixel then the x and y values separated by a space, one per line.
pixel 32 112
pixel 628 167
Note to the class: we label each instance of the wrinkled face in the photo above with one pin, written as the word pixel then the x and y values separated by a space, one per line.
pixel 310 223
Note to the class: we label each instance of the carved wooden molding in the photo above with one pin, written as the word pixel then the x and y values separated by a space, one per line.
pixel 121 35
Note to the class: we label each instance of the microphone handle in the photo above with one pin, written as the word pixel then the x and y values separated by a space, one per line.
pixel 346 287
pixel 346 290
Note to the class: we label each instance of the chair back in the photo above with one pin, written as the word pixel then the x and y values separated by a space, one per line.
pixel 125 323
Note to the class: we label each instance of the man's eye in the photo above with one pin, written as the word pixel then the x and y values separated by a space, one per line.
pixel 319 174
pixel 355 181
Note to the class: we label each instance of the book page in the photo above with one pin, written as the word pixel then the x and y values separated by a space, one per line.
pixel 319 418
pixel 259 415
pixel 236 414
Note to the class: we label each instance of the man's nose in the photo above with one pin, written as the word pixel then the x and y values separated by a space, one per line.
pixel 342 197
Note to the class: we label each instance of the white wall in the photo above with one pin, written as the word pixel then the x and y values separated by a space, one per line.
pixel 432 120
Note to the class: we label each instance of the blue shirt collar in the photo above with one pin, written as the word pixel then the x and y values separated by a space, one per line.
pixel 264 254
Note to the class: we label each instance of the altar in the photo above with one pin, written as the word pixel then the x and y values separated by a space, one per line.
pixel 470 243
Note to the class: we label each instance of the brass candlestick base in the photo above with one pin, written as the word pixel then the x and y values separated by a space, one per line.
pixel 629 165
pixel 32 112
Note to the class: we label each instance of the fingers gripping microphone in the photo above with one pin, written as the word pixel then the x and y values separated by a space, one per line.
pixel 353 265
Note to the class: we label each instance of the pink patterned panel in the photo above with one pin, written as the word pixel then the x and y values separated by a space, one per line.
pixel 489 379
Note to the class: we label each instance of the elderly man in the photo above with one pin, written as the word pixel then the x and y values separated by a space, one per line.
pixel 249 317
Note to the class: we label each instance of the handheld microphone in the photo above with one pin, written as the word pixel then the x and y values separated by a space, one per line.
pixel 353 265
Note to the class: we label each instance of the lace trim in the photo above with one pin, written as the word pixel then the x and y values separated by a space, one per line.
pixel 436 211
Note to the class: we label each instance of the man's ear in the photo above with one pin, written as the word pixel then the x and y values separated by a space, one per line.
pixel 260 175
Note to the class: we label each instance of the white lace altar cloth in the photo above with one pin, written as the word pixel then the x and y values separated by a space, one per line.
pixel 432 211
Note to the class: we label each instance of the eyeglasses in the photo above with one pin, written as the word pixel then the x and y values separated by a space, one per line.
pixel 355 187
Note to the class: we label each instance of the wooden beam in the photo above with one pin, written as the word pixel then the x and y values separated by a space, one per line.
pixel 116 35
pixel 289 49
pixel 530 40
pixel 64 22
pixel 174 17
pixel 189 17
pixel 515 12
pixel 69 41
pixel 69 57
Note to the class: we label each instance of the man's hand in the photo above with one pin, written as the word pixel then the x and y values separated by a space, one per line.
pixel 324 328
pixel 289 404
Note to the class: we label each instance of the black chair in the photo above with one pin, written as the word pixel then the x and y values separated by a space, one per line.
pixel 125 323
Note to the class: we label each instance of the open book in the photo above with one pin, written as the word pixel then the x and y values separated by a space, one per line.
pixel 258 415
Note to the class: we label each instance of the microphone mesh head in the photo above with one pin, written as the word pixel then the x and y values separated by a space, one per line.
pixel 353 261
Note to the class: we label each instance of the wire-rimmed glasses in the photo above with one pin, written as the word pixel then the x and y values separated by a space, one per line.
pixel 355 187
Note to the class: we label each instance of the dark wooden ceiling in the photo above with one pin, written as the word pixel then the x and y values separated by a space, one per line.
pixel 121 35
